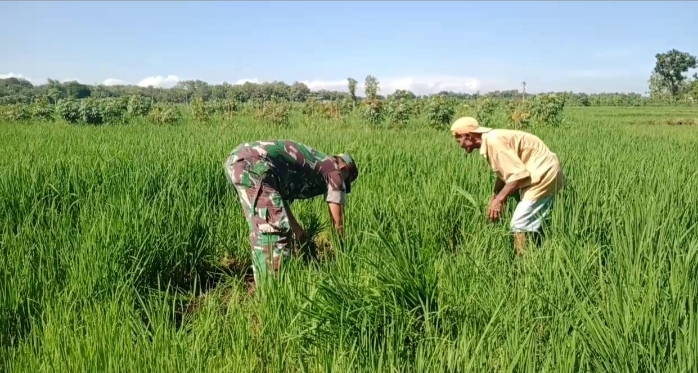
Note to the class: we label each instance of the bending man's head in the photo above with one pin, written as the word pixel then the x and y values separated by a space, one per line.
pixel 468 133
pixel 348 168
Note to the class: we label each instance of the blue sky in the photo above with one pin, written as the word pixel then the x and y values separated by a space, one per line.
pixel 590 46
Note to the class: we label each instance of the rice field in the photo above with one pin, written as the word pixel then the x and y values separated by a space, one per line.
pixel 116 246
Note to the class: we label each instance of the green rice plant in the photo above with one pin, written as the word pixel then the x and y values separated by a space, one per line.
pixel 112 238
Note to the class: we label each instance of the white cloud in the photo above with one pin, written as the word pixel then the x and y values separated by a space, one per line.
pixel 243 81
pixel 13 75
pixel 159 81
pixel 418 85
pixel 112 81
pixel 608 79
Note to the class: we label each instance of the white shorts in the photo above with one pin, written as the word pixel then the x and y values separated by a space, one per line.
pixel 530 215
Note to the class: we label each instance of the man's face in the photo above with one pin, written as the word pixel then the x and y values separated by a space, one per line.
pixel 467 141
pixel 343 169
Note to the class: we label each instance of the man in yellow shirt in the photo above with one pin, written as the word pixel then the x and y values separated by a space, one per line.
pixel 521 161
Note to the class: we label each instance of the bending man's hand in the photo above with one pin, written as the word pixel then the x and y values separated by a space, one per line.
pixel 494 209
pixel 298 231
pixel 300 234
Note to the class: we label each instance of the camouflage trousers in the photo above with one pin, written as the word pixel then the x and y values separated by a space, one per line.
pixel 267 218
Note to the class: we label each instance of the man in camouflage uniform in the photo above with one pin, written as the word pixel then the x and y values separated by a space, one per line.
pixel 269 176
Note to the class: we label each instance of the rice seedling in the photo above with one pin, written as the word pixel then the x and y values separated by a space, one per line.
pixel 123 248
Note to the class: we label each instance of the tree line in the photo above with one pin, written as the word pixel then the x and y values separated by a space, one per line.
pixel 668 84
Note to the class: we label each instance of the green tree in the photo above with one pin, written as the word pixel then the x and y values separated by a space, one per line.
pixel 693 90
pixel 352 89
pixel 299 92
pixel 76 90
pixel 671 66
pixel 402 93
pixel 371 87
pixel 658 88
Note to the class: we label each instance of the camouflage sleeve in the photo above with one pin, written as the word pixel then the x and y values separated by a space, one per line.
pixel 318 162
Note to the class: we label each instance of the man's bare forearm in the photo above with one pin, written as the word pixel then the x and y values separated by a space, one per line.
pixel 498 186
pixel 509 189
pixel 337 219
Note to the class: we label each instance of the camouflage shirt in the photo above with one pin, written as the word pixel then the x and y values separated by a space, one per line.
pixel 302 171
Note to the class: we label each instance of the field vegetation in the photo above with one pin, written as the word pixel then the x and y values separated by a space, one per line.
pixel 123 248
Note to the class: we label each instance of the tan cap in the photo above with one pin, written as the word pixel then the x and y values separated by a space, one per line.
pixel 465 125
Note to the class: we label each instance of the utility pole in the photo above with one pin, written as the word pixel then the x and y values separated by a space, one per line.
pixel 524 90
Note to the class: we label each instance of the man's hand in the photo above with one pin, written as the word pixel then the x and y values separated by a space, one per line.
pixel 298 231
pixel 495 209
pixel 497 203
pixel 301 235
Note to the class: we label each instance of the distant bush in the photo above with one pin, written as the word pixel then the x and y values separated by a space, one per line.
pixel 139 106
pixel 16 113
pixel 395 112
pixel 439 112
pixel 68 109
pixel 42 111
pixel 165 115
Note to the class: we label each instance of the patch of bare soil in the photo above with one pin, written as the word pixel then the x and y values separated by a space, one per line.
pixel 682 122
pixel 673 122
pixel 237 268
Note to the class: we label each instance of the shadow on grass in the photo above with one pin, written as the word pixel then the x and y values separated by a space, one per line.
pixel 220 279
pixel 228 279
pixel 213 281
pixel 16 326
